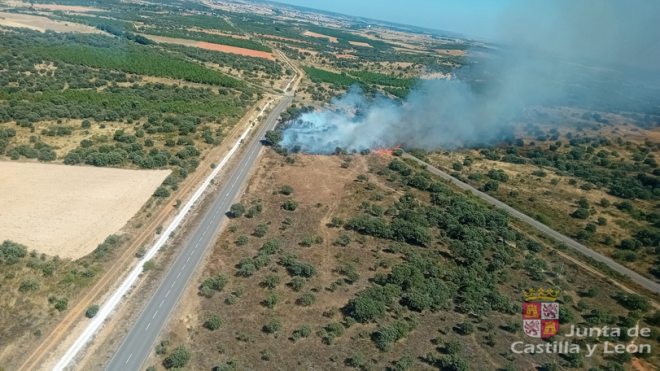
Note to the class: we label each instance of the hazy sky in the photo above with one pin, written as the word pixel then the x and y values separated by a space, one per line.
pixel 470 17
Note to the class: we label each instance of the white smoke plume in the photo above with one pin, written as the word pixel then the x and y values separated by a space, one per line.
pixel 550 53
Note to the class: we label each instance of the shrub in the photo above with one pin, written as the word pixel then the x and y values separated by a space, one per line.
pixel 306 300
pixel 297 283
pixel 540 173
pixel 149 265
pixel 290 205
pixel 213 322
pixel 273 326
pixel 271 300
pixel 261 230
pixel 466 327
pixel 337 222
pixel 286 190
pixel 30 284
pixel 178 358
pixel 271 281
pixel 453 347
pixel 457 166
pixel 242 240
pixel 602 221
pixel 625 255
pixel 61 304
pixel 92 310
pixel 604 202
pixel 303 332
pixel 343 239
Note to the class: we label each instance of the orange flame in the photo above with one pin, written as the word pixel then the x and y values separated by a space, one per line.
pixel 384 151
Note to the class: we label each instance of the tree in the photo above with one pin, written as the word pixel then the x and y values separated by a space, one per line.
pixel 336 222
pixel 162 192
pixel 236 210
pixel 273 137
pixel 343 239
pixel 303 332
pixel 604 202
pixel 297 283
pixel 491 185
pixel 457 166
pixel 92 310
pixel 581 213
pixel 453 347
pixel 466 327
pixel 178 358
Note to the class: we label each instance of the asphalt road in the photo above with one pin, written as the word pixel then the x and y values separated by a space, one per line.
pixel 641 280
pixel 142 337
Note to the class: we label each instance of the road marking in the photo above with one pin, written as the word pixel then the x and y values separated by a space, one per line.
pixel 173 284
pixel 161 303
pixel 183 267
pixel 129 357
pixel 177 276
pixel 188 259
pixel 147 326
pixel 154 315
pixel 168 292
pixel 198 243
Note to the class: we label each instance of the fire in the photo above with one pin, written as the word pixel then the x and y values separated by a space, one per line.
pixel 384 151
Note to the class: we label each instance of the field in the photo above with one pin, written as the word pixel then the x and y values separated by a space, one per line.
pixel 82 207
pixel 235 50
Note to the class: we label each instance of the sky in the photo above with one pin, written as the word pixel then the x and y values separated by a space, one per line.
pixel 476 18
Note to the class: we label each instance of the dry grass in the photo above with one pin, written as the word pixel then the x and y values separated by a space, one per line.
pixel 42 23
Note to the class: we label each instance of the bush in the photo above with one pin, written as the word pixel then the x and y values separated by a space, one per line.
pixel 457 166
pixel 61 304
pixel 261 230
pixel 297 283
pixel 30 284
pixel 273 326
pixel 625 255
pixel 271 281
pixel 149 265
pixel 92 310
pixel 343 239
pixel 336 222
pixel 286 190
pixel 213 322
pixel 306 300
pixel 466 328
pixel 271 300
pixel 303 332
pixel 178 358
pixel 290 205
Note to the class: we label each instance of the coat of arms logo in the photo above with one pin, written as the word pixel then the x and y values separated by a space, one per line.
pixel 541 319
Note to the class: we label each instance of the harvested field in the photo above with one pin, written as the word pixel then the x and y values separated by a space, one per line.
pixel 68 8
pixel 357 43
pixel 42 23
pixel 235 50
pixel 314 34
pixel 211 46
pixel 69 210
pixel 450 52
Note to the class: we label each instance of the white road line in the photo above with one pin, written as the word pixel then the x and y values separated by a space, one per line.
pixel 154 315
pixel 168 292
pixel 173 284
pixel 147 326
pixel 161 303
pixel 188 259
pixel 183 267
pixel 129 358
pixel 177 276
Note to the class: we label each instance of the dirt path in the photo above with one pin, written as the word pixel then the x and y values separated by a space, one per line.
pixel 59 333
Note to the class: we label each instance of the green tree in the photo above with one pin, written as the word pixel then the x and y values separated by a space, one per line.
pixel 92 310
pixel 275 325
pixel 236 210
pixel 271 281
pixel 162 192
pixel 290 205
pixel 581 213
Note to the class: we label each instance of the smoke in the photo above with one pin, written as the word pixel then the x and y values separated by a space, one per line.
pixel 553 53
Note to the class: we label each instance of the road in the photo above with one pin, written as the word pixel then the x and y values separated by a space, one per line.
pixel 140 341
pixel 639 279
